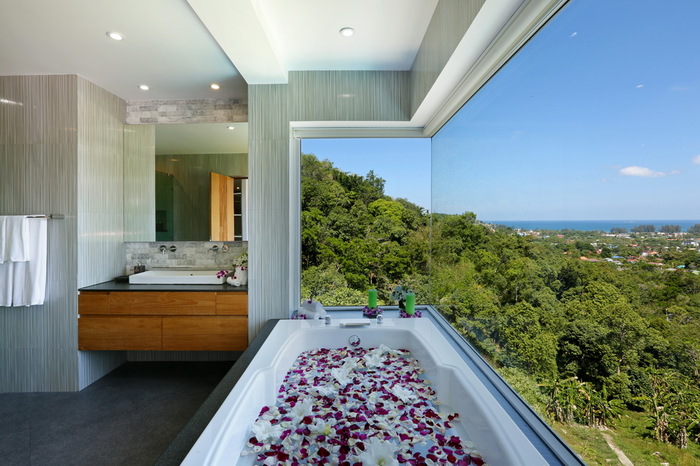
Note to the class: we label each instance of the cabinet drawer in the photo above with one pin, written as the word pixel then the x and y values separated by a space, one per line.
pixel 93 302
pixel 213 333
pixel 162 303
pixel 232 303
pixel 119 333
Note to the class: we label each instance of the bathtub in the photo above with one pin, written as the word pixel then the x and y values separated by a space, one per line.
pixel 483 421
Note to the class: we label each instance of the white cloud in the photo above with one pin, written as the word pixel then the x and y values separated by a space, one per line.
pixel 696 159
pixel 574 34
pixel 639 86
pixel 681 88
pixel 640 171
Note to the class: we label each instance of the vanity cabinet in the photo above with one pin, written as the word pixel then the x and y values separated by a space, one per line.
pixel 163 320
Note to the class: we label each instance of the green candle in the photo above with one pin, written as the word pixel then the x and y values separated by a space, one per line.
pixel 410 303
pixel 372 299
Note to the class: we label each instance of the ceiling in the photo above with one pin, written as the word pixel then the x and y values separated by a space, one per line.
pixel 179 47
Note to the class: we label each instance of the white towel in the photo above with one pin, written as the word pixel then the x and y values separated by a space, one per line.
pixel 7 274
pixel 14 238
pixel 24 283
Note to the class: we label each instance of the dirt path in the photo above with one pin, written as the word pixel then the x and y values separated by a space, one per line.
pixel 620 454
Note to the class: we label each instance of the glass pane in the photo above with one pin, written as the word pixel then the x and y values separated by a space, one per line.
pixel 566 225
pixel 364 219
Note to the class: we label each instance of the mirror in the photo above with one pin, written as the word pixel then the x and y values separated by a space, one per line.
pixel 186 157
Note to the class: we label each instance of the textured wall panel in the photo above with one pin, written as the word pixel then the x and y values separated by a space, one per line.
pixel 38 167
pixel 100 205
pixel 268 133
pixel 448 25
pixel 348 96
pixel 269 107
pixel 100 184
pixel 139 182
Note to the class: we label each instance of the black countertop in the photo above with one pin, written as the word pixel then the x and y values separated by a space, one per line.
pixel 125 286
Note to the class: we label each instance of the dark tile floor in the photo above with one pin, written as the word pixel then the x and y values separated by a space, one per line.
pixel 129 417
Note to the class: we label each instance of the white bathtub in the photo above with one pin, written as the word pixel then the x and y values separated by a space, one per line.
pixel 495 435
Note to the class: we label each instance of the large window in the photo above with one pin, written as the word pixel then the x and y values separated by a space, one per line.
pixel 365 222
pixel 566 224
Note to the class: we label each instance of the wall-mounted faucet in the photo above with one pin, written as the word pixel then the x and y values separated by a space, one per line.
pixel 162 249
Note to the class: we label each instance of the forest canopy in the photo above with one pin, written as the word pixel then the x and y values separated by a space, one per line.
pixel 556 313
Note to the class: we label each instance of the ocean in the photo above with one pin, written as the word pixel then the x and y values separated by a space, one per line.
pixel 589 225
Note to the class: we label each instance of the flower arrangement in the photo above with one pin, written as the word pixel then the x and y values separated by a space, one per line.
pixel 405 315
pixel 399 294
pixel 407 302
pixel 239 275
pixel 241 260
pixel 371 311
pixel 349 406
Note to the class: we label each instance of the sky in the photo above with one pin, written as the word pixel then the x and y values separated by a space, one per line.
pixel 597 117
pixel 403 163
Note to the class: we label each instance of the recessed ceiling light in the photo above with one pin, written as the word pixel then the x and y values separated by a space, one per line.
pixel 230 127
pixel 215 86
pixel 347 32
pixel 115 35
pixel 143 87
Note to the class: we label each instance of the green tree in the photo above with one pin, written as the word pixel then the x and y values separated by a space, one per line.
pixel 644 229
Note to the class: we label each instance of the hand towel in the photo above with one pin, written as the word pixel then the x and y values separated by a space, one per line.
pixel 7 273
pixel 29 287
pixel 14 238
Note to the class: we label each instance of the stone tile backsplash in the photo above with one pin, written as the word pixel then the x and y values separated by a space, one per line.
pixel 186 111
pixel 187 254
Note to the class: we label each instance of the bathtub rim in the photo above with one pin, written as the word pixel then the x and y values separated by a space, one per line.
pixel 545 440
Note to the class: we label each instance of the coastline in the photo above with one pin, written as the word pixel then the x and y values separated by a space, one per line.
pixel 589 225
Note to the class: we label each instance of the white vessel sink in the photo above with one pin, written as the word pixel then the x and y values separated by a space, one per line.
pixel 176 277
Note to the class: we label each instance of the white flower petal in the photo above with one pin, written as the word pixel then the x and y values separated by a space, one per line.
pixel 379 452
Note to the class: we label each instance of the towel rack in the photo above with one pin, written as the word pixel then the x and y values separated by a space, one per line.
pixel 56 216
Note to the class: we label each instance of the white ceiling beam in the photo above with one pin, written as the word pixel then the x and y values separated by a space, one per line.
pixel 236 26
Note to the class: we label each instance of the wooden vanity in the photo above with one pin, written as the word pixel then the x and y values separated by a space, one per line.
pixel 162 318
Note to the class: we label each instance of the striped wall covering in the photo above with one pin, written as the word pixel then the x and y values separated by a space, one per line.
pixel 61 152
pixel 268 205
pixel 100 181
pixel 38 174
pixel 348 96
